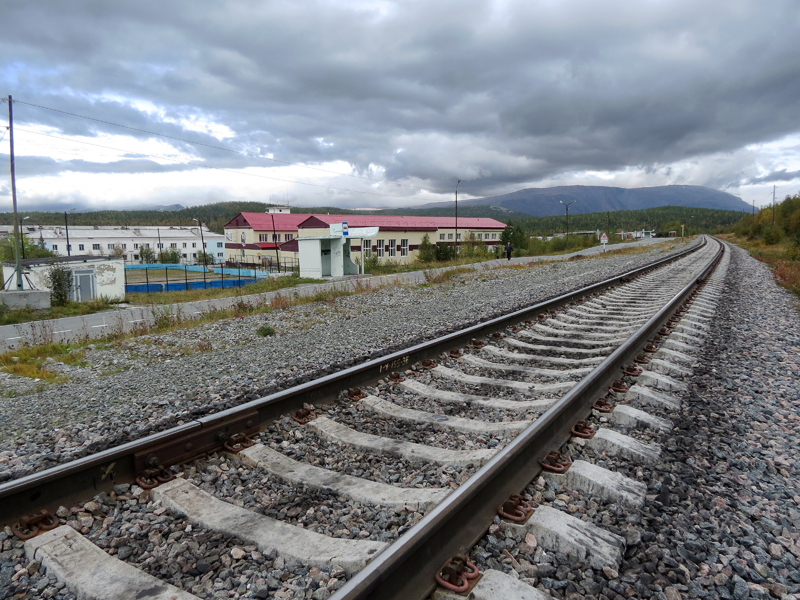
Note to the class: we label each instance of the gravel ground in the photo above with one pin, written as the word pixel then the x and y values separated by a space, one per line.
pixel 721 518
pixel 132 388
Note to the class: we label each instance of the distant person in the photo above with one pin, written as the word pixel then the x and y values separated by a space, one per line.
pixel 509 250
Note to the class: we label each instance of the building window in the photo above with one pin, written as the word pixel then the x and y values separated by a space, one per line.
pixel 111 246
pixel 184 256
pixel 145 245
pixel 124 246
pixel 194 244
pixel 392 248
pixel 289 237
pixel 219 244
pixel 184 245
pixel 367 249
pixel 449 236
pixel 55 247
pixel 94 247
pixel 494 236
pixel 194 255
pixel 276 237
pixel 458 236
pixel 403 247
pixel 80 246
pixel 379 248
pixel 173 245
pixel 160 246
pixel 480 236
pixel 136 246
pixel 135 257
pixel 219 254
pixel 263 237
pixel 441 236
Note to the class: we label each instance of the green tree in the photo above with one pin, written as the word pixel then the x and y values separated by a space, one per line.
pixel 59 280
pixel 170 256
pixel 427 251
pixel 445 252
pixel 147 255
pixel 31 249
pixel 209 258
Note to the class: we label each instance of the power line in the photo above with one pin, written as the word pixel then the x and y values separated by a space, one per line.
pixel 181 162
pixel 171 137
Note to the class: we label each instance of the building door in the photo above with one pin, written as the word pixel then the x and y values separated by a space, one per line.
pixel 83 285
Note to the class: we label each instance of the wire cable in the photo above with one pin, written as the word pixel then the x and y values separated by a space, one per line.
pixel 172 137
pixel 175 160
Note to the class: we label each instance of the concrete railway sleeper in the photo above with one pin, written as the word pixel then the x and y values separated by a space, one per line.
pixel 368 496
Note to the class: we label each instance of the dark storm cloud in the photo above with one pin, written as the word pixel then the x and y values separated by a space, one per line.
pixel 776 176
pixel 43 166
pixel 498 94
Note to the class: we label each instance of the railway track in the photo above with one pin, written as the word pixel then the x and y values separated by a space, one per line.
pixel 357 488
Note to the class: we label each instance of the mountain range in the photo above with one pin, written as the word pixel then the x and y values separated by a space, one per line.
pixel 544 202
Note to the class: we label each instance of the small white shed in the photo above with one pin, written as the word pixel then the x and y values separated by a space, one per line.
pixel 325 256
pixel 92 276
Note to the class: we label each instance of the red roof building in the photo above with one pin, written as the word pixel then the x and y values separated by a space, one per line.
pixel 253 237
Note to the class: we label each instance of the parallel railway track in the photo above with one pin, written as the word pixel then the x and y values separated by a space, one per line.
pixel 508 394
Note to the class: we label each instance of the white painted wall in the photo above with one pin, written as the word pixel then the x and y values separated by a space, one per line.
pixel 109 276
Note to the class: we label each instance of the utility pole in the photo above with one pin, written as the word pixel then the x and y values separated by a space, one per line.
pixel 66 227
pixel 773 196
pixel 275 241
pixel 22 236
pixel 17 229
pixel 459 181
pixel 754 208
pixel 566 206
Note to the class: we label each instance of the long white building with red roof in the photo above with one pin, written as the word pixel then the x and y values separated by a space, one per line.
pixel 258 238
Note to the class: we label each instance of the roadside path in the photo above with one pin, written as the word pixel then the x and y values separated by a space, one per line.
pixel 125 320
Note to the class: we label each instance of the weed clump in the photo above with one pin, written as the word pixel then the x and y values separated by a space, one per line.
pixel 265 330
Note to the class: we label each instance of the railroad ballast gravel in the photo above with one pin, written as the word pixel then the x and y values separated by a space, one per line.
pixel 165 379
pixel 722 515
pixel 721 518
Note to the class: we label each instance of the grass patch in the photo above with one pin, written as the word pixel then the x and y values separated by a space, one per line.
pixel 431 277
pixel 783 258
pixel 265 330
pixel 72 309
pixel 664 246
pixel 30 361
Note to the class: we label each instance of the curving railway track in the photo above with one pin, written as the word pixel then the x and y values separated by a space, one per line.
pixel 365 483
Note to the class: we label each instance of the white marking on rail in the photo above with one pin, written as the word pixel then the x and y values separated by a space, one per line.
pixel 19 337
pixel 63 331
pixel 96 326
pixel 136 321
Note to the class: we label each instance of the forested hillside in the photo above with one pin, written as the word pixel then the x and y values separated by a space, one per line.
pixel 662 219
pixel 216 215
pixel 213 215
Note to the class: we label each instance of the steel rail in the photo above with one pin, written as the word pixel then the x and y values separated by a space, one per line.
pixel 406 569
pixel 70 482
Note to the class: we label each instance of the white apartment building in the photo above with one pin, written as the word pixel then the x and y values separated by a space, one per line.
pixel 127 242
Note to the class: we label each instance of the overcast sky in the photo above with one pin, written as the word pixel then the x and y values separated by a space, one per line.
pixel 388 103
